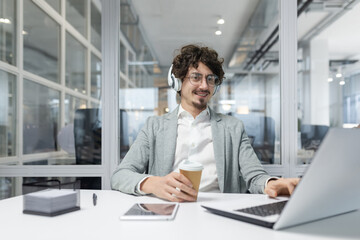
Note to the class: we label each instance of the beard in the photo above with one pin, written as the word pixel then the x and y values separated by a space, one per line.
pixel 200 105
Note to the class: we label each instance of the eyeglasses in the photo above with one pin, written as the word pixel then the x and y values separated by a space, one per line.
pixel 211 79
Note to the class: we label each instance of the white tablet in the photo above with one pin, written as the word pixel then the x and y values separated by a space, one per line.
pixel 151 211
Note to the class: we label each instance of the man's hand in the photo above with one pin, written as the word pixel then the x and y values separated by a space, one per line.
pixel 174 187
pixel 281 186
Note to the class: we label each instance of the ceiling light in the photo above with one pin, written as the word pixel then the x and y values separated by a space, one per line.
pixel 5 20
pixel 330 79
pixel 226 107
pixel 342 82
pixel 218 32
pixel 243 109
pixel 230 102
pixel 24 32
pixel 220 21
pixel 338 75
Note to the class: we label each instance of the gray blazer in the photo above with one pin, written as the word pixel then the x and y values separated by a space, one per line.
pixel 153 153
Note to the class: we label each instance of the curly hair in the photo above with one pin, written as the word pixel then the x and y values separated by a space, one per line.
pixel 191 55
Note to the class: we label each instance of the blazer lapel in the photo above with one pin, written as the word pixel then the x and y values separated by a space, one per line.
pixel 170 134
pixel 217 130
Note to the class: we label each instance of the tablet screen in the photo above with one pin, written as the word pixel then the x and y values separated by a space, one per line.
pixel 151 211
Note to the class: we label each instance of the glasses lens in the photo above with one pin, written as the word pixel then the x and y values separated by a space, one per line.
pixel 212 80
pixel 195 77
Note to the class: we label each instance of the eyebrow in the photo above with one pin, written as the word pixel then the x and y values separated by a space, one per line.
pixel 203 74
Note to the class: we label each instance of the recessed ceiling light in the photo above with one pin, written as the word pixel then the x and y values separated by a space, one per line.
pixel 218 32
pixel 338 75
pixel 220 21
pixel 5 20
pixel 342 82
pixel 330 79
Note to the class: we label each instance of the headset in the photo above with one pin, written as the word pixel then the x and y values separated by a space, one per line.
pixel 175 83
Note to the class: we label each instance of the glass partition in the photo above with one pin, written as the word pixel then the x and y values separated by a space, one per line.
pixel 75 64
pixel 41 118
pixel 95 77
pixel 328 72
pixel 250 92
pixel 55 4
pixel 254 98
pixel 57 91
pixel 8 31
pixel 96 25
pixel 7 187
pixel 41 42
pixel 8 115
pixel 76 15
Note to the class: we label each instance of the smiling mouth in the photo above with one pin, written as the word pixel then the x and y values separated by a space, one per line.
pixel 202 94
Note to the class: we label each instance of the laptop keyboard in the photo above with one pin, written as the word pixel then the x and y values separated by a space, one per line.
pixel 265 210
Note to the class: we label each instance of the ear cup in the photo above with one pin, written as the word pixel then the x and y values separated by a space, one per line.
pixel 174 83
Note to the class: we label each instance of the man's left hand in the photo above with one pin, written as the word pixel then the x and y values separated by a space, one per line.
pixel 281 186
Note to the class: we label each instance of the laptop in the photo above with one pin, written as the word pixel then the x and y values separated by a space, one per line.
pixel 329 187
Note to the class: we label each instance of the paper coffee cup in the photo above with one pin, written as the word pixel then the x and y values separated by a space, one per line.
pixel 192 171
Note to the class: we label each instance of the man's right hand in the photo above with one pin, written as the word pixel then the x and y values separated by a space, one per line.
pixel 174 187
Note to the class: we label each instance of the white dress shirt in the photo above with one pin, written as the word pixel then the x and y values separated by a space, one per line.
pixel 194 142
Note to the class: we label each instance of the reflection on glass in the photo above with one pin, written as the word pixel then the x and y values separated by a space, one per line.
pixel 55 4
pixel 75 64
pixel 8 31
pixel 328 73
pixel 7 187
pixel 252 93
pixel 71 105
pixel 76 14
pixel 65 136
pixel 34 184
pixel 95 77
pixel 131 68
pixel 41 43
pixel 8 96
pixel 96 24
pixel 94 105
pixel 128 21
pixel 87 135
pixel 255 99
pixel 136 105
pixel 122 58
pixel 41 118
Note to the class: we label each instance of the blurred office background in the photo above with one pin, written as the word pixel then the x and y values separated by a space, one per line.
pixel 53 93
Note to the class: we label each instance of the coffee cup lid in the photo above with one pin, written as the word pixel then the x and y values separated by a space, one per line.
pixel 191 166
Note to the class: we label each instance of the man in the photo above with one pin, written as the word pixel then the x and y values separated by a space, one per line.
pixel 194 131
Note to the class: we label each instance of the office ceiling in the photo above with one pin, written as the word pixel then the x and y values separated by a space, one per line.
pixel 170 24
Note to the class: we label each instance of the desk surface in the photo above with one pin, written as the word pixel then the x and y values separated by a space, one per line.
pixel 192 222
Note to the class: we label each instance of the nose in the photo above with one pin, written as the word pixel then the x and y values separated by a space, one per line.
pixel 203 83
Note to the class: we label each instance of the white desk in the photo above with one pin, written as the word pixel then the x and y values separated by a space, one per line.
pixel 102 221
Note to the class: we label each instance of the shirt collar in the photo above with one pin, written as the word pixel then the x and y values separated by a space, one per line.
pixel 182 113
